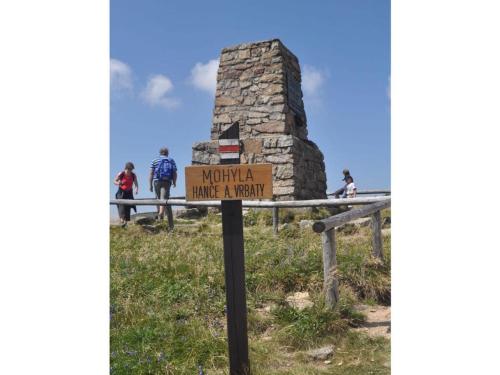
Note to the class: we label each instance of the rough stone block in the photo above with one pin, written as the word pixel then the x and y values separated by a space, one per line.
pixel 253 121
pixel 249 100
pixel 271 127
pixel 253 146
pixel 244 54
pixel 279 159
pixel 285 190
pixel 274 89
pixel 284 171
pixel 222 101
pixel 222 119
pixel 257 114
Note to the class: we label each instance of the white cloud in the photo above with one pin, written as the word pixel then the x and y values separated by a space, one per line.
pixel 156 92
pixel 121 76
pixel 204 76
pixel 312 80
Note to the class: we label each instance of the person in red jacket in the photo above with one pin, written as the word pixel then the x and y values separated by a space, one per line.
pixel 126 180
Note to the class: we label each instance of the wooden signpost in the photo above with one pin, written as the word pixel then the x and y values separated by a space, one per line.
pixel 231 182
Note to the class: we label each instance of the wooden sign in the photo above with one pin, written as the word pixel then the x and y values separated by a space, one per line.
pixel 229 182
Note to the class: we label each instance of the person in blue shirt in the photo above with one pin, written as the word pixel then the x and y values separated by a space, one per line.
pixel 163 174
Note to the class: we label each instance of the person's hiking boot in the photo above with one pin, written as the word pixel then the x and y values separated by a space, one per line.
pixel 124 225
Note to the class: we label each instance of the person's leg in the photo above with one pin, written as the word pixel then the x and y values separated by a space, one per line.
pixel 161 212
pixel 157 189
pixel 121 213
pixel 163 195
pixel 126 216
pixel 170 216
pixel 128 195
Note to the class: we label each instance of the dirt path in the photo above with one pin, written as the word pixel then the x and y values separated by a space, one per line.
pixel 378 321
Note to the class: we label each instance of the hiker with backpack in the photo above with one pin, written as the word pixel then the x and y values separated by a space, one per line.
pixel 162 176
pixel 126 180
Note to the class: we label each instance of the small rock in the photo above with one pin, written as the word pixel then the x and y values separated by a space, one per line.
pixel 144 220
pixel 213 210
pixel 189 213
pixel 268 308
pixel 327 362
pixel 300 300
pixel 303 224
pixel 284 226
pixel 353 226
pixel 321 354
pixel 151 228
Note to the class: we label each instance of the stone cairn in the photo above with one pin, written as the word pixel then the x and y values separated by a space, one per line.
pixel 258 85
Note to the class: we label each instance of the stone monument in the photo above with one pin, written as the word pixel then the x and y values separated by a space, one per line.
pixel 259 85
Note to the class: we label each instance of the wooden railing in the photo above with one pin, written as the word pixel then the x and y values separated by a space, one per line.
pixel 255 204
pixel 327 229
pixel 370 192
pixel 360 192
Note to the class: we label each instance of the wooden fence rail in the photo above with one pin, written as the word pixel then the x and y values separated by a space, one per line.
pixel 327 229
pixel 345 217
pixel 255 204
pixel 366 192
pixel 360 192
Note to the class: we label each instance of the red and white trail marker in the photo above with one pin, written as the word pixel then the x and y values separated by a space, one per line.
pixel 229 148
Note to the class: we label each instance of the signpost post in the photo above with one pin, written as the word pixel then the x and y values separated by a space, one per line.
pixel 231 182
pixel 234 266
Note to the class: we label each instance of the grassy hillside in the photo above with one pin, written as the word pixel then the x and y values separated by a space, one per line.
pixel 168 300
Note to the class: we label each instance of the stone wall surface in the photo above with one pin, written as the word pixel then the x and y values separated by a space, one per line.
pixel 258 85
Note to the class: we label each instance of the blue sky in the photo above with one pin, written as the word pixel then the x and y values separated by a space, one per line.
pixel 162 78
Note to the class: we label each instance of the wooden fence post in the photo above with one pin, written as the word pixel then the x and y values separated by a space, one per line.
pixel 330 285
pixel 377 235
pixel 276 219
